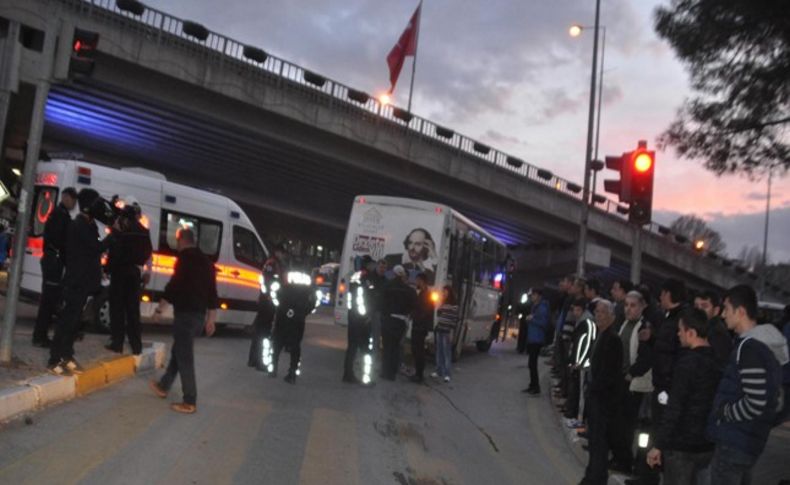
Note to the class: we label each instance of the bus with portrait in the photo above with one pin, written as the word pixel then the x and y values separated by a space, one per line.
pixel 434 239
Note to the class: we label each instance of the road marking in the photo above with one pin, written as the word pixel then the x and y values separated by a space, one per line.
pixel 73 455
pixel 537 421
pixel 332 453
pixel 226 439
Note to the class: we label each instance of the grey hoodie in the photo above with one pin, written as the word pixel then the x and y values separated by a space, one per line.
pixel 770 336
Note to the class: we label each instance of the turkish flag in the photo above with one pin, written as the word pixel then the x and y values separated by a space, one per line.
pixel 406 46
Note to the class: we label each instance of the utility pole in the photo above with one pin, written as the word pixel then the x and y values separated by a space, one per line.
pixel 25 197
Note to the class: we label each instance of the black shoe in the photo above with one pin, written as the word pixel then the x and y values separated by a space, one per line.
pixel 112 348
pixel 416 379
pixel 290 378
pixel 533 391
pixel 44 344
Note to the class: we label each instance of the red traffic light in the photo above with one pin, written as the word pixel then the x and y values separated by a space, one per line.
pixel 643 162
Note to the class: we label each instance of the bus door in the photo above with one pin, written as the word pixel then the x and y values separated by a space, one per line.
pixel 461 269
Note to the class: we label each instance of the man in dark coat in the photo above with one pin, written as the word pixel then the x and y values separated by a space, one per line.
pixel 605 393
pixel 82 279
pixel 398 302
pixel 53 262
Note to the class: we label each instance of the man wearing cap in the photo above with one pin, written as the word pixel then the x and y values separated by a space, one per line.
pixel 130 248
pixel 82 279
pixel 53 262
pixel 398 302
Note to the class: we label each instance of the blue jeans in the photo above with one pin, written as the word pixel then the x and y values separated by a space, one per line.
pixel 731 467
pixel 186 326
pixel 444 354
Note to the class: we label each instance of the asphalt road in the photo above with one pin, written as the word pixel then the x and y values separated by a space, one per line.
pixel 253 429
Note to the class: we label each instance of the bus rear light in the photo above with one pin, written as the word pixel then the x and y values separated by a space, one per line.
pixel 223 306
pixel 145 299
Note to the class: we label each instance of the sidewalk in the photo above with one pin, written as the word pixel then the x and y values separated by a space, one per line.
pixel 26 386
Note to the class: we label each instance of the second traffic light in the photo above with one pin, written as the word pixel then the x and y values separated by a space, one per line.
pixel 75 58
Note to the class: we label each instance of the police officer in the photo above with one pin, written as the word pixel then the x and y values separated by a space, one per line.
pixel 360 339
pixel 53 263
pixel 129 249
pixel 260 356
pixel 399 301
pixel 82 279
pixel 295 300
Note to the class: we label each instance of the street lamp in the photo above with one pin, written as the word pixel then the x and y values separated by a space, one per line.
pixel 585 208
pixel 699 244
pixel 576 30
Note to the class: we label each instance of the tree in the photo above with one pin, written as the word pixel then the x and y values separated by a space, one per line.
pixel 695 229
pixel 738 55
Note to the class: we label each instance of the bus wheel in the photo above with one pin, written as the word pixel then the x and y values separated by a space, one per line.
pixel 483 345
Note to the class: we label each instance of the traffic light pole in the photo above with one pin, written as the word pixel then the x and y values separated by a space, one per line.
pixel 585 207
pixel 25 198
pixel 636 254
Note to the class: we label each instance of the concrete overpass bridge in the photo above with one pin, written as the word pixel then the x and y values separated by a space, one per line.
pixel 294 147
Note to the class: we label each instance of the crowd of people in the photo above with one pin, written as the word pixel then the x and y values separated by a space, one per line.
pixel 687 388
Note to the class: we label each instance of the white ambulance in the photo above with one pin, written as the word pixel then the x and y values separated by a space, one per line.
pixel 224 232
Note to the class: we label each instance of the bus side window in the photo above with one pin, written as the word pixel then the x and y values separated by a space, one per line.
pixel 207 231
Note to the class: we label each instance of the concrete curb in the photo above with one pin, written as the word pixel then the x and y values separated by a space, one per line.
pixel 45 390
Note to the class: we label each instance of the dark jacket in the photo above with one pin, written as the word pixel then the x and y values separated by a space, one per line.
pixel 606 370
pixel 128 248
pixel 398 298
pixel 83 256
pixel 746 400
pixel 666 349
pixel 422 316
pixel 694 384
pixel 720 340
pixel 539 324
pixel 193 286
pixel 56 229
pixel 377 285
pixel 296 302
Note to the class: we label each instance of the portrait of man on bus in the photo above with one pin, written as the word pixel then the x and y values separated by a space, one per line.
pixel 419 255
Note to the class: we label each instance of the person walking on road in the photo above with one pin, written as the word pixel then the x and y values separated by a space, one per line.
pixel 422 323
pixel 446 323
pixel 192 291
pixel 399 300
pixel 681 445
pixel 53 263
pixel 605 393
pixel 537 325
pixel 747 398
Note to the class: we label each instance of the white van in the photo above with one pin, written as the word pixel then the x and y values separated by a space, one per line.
pixel 224 232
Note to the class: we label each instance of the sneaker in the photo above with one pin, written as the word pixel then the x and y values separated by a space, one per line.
pixel 183 408
pixel 573 423
pixel 158 390
pixel 435 375
pixel 73 366
pixel 446 378
pixel 57 369
pixel 416 379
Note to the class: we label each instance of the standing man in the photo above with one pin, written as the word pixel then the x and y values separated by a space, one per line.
pixel 537 325
pixel 192 291
pixel 718 336
pixel 605 390
pixel 667 344
pixel 273 277
pixel 422 323
pixel 130 248
pixel 746 400
pixel 620 289
pixel 82 279
pixel 399 302
pixel 297 300
pixel 53 262
pixel 378 281
pixel 680 442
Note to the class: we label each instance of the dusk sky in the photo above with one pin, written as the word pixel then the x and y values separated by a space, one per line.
pixel 508 74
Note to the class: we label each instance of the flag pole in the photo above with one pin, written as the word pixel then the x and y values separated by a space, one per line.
pixel 414 61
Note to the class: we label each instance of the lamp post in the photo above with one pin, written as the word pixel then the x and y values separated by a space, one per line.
pixel 575 31
pixel 764 272
pixel 585 207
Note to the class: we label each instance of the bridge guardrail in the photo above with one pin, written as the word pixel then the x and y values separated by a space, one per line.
pixel 158 23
